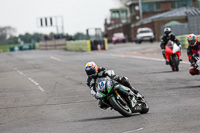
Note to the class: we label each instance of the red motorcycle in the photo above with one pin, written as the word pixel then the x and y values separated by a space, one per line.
pixel 172 53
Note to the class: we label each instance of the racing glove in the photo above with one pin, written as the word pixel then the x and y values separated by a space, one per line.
pixel 101 69
pixel 194 64
pixel 93 93
pixel 195 55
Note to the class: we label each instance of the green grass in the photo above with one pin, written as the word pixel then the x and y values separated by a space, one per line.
pixel 6 48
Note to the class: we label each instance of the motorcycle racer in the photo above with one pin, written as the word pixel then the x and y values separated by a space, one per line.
pixel 192 52
pixel 93 73
pixel 166 37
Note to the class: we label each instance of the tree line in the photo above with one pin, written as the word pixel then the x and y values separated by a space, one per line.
pixel 7 36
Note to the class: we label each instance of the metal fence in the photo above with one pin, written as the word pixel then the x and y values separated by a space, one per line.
pixel 194 24
pixel 179 29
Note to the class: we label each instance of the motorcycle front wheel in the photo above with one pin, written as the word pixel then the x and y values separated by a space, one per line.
pixel 175 63
pixel 118 106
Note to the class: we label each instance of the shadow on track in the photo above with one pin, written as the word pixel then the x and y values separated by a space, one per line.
pixel 160 72
pixel 170 71
pixel 185 87
pixel 197 86
pixel 104 118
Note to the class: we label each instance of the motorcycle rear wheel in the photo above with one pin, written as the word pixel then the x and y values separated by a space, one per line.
pixel 124 110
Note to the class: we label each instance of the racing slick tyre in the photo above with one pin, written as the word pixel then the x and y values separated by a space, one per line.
pixel 175 63
pixel 122 109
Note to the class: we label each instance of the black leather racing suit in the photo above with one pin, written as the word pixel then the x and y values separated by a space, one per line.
pixel 165 40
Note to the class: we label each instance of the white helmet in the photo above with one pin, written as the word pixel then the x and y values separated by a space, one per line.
pixel 167 31
pixel 91 69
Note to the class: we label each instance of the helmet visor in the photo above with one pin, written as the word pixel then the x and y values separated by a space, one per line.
pixel 168 34
pixel 191 42
pixel 91 73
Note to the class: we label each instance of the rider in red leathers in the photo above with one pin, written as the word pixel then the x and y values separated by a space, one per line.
pixel 192 51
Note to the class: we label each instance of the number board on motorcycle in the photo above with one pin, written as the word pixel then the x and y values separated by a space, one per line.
pixel 102 85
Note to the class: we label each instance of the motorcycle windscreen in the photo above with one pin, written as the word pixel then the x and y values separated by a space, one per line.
pixel 176 48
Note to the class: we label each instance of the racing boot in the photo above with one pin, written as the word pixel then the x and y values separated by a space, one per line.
pixel 167 62
pixel 133 104
pixel 132 99
pixel 137 95
pixel 134 90
pixel 103 105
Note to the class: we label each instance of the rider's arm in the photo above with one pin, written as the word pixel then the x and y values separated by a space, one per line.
pixel 102 72
pixel 175 40
pixel 189 53
pixel 88 81
pixel 101 69
pixel 91 84
pixel 162 45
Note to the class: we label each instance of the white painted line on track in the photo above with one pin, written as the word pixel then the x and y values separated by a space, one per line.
pixel 34 82
pixel 20 72
pixel 54 58
pixel 133 130
pixel 30 79
pixel 40 88
pixel 146 58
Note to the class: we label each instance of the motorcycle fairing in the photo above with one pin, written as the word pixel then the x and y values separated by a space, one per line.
pixel 101 89
pixel 176 48
pixel 168 50
pixel 172 48
pixel 104 87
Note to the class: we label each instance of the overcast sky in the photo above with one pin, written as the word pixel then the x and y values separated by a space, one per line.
pixel 78 14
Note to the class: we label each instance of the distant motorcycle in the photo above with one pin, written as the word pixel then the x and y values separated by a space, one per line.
pixel 172 52
pixel 118 97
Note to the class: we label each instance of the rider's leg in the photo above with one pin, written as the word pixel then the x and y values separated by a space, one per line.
pixel 179 56
pixel 164 56
pixel 167 58
pixel 126 83
pixel 102 104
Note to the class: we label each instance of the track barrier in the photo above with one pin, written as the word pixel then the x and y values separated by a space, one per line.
pixel 86 45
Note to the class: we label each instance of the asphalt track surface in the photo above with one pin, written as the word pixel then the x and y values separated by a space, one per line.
pixel 45 92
